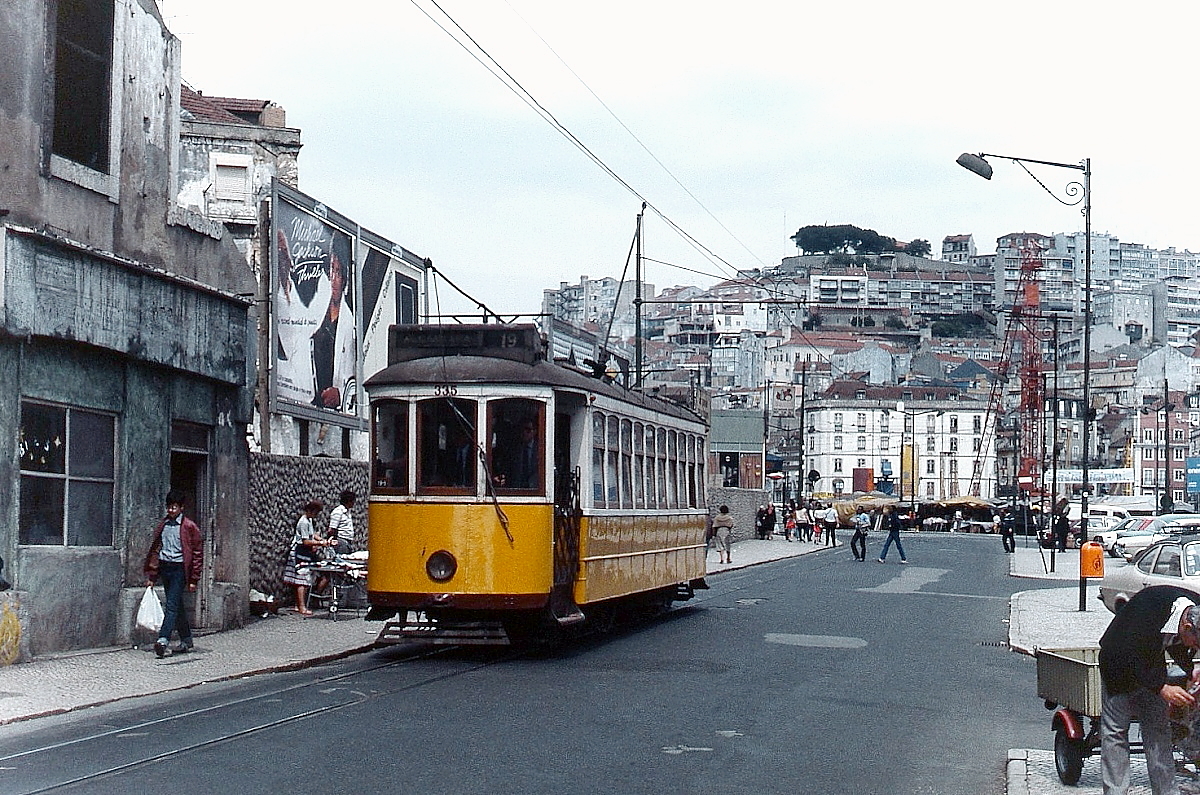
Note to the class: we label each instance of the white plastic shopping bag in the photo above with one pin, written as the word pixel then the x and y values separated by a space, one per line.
pixel 150 611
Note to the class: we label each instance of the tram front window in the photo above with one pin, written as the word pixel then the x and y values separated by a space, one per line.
pixel 446 446
pixel 516 449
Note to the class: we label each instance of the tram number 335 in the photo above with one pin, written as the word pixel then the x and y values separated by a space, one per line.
pixel 445 390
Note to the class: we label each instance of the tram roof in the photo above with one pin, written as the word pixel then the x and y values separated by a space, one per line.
pixel 467 369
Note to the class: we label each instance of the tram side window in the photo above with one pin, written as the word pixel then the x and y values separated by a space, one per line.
pixel 516 446
pixel 639 462
pixel 598 460
pixel 610 471
pixel 390 439
pixel 690 473
pixel 626 464
pixel 701 464
pixel 651 481
pixel 672 471
pixel 446 446
pixel 661 448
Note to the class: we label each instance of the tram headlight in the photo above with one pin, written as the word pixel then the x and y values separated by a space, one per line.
pixel 441 566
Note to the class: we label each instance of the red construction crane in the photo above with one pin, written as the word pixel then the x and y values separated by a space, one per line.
pixel 1026 327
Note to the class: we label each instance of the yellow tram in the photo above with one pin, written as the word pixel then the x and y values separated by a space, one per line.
pixel 512 495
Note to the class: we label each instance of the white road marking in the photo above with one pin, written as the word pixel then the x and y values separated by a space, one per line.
pixel 815 641
pixel 909 580
pixel 682 749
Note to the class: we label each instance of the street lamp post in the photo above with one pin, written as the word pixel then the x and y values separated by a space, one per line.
pixel 977 164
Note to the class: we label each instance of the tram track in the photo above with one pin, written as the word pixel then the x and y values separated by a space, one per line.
pixel 160 727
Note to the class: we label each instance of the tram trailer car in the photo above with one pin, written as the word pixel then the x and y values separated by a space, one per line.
pixel 512 496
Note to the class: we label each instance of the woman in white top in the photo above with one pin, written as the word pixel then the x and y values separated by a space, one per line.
pixel 305 551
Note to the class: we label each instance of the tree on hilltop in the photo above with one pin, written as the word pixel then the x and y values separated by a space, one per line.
pixel 842 239
pixel 918 248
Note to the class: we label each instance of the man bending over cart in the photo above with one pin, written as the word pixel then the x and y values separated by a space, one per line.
pixel 1133 676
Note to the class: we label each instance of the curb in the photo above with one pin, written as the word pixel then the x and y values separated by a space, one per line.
pixel 1017 770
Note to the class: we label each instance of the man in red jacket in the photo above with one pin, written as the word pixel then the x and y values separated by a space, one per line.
pixel 1133 677
pixel 176 557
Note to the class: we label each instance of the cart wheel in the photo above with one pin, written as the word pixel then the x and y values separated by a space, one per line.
pixel 333 608
pixel 1068 757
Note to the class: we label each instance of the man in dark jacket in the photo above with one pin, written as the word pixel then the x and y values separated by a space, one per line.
pixel 1133 675
pixel 176 558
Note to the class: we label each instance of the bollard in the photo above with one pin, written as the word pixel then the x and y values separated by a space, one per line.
pixel 1091 565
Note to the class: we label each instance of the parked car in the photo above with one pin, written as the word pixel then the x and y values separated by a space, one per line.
pixel 1129 543
pixel 1175 561
pixel 1107 538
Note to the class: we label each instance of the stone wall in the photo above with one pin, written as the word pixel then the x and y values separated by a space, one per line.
pixel 279 487
pixel 743 504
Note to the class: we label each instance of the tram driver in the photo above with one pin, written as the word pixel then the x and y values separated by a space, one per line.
pixel 517 454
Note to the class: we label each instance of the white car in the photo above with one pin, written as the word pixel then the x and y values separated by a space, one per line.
pixel 1169 525
pixel 1107 536
pixel 1175 561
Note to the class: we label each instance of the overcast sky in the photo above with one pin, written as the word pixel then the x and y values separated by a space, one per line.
pixel 758 118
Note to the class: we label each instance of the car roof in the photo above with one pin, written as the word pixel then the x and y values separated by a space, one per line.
pixel 1184 538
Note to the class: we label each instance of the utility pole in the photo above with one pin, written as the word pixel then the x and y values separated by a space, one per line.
pixel 802 474
pixel 637 314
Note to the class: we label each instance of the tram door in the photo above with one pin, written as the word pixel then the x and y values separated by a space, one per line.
pixel 567 516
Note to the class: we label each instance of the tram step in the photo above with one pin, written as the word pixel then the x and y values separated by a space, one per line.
pixel 574 616
pixel 479 633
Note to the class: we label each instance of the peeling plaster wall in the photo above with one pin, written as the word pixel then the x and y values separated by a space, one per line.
pixel 115 299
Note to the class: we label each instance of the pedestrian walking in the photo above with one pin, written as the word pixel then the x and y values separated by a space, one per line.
pixel 176 557
pixel 723 530
pixel 858 542
pixel 831 522
pixel 891 523
pixel 1133 683
pixel 1061 525
pixel 804 522
pixel 1008 530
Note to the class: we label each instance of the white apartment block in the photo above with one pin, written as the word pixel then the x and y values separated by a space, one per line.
pixel 927 449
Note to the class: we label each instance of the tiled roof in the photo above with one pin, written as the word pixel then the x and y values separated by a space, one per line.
pixel 204 108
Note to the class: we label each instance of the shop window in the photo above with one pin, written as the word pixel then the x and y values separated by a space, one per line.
pixel 389 439
pixel 446 447
pixel 516 446
pixel 68 469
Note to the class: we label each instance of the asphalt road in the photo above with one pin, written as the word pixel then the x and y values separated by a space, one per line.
pixel 815 674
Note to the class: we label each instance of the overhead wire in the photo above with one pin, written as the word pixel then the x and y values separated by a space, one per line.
pixel 514 85
pixel 633 135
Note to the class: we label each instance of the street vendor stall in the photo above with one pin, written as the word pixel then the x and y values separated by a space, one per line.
pixel 347 577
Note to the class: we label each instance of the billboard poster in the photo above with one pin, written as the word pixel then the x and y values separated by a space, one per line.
pixel 389 290
pixel 313 284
